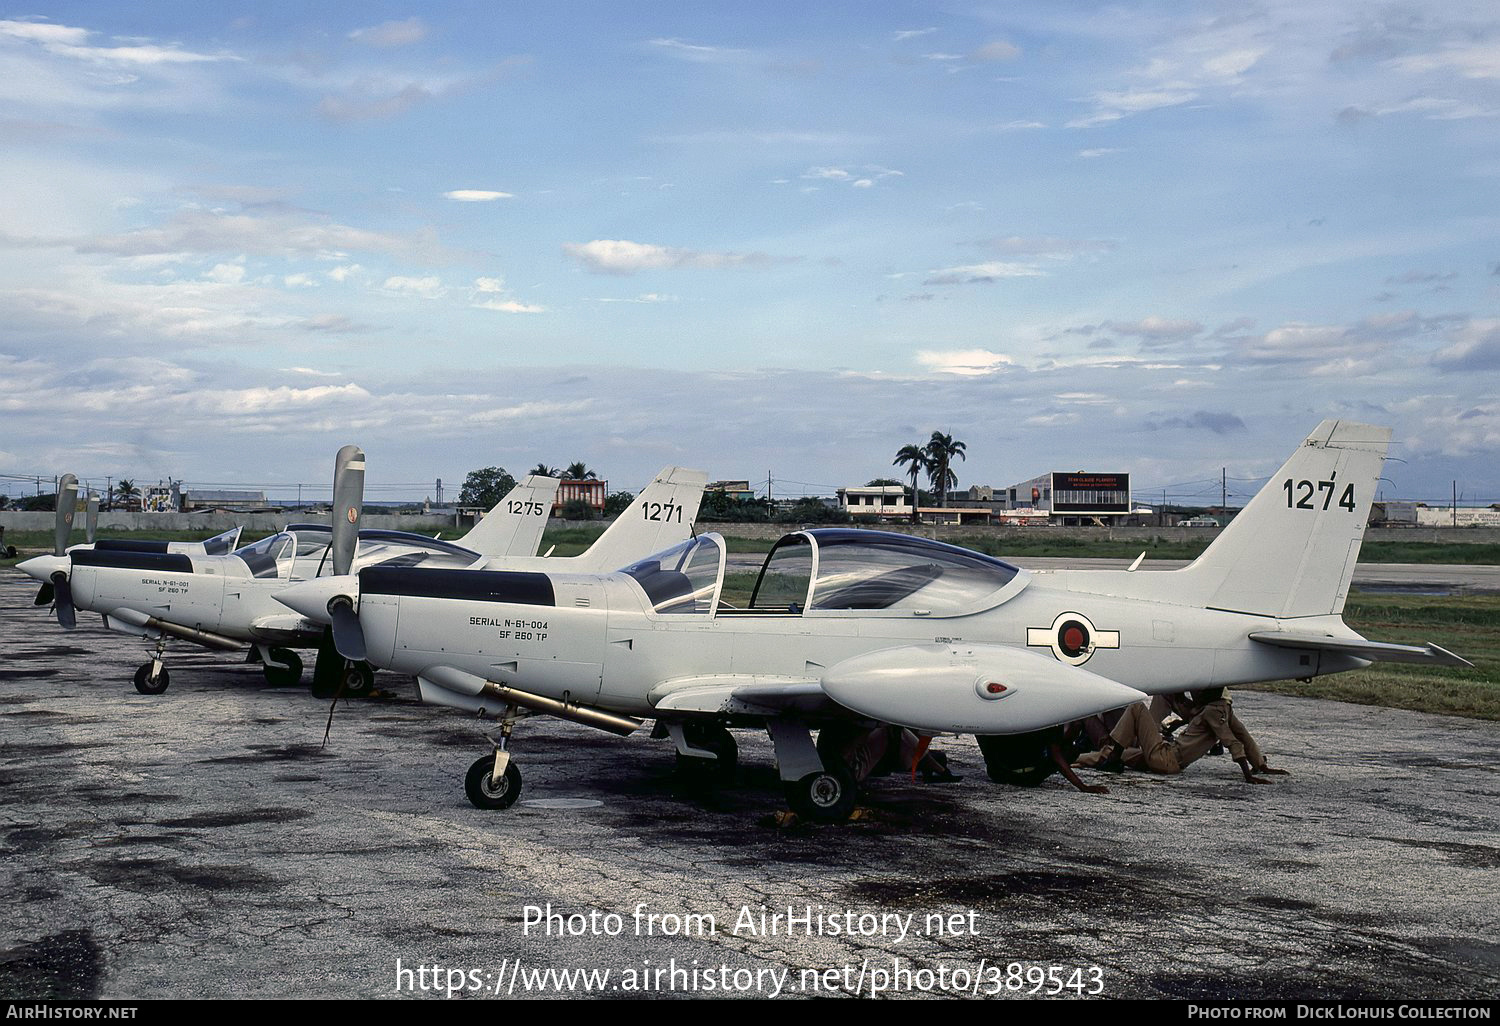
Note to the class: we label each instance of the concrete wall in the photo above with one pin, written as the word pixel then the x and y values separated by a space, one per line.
pixel 256 525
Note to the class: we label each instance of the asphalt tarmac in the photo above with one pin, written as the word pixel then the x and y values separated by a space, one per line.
pixel 202 843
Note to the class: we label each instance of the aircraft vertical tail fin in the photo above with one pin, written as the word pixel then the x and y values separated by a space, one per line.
pixel 660 517
pixel 514 527
pixel 1291 551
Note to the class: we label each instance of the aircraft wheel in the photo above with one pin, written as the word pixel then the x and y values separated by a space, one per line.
pixel 714 738
pixel 148 685
pixel 824 797
pixel 284 677
pixel 1020 760
pixel 359 680
pixel 484 793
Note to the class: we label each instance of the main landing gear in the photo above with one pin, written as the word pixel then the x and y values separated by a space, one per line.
pixel 282 667
pixel 817 791
pixel 494 782
pixel 707 755
pixel 152 677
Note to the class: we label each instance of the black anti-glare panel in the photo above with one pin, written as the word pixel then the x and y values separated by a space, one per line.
pixel 521 589
pixel 133 560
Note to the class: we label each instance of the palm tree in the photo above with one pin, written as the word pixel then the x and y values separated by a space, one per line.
pixel 941 449
pixel 916 456
pixel 542 470
pixel 126 490
pixel 579 472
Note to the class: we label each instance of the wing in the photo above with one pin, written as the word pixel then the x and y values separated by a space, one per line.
pixel 741 694
pixel 1434 655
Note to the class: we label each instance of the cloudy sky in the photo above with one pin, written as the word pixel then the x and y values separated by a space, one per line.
pixel 785 238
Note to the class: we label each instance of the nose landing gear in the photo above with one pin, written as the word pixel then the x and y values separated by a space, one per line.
pixel 152 677
pixel 494 781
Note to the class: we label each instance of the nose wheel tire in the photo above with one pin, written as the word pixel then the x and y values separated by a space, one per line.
pixel 484 792
pixel 288 675
pixel 824 797
pixel 359 680
pixel 149 685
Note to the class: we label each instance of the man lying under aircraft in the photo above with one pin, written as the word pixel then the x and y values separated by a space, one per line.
pixel 223 601
pixel 882 628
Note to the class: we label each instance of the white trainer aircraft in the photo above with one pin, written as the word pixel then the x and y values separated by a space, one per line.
pixel 222 600
pixel 227 602
pixel 53 570
pixel 879 628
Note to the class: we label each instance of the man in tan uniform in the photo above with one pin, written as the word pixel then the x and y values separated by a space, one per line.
pixel 1139 742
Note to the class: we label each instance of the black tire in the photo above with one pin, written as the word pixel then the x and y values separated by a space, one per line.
pixel 146 685
pixel 714 738
pixel 824 797
pixel 1020 760
pixel 359 680
pixel 483 793
pixel 284 677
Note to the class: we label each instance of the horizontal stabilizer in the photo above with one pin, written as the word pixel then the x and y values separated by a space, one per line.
pixel 1433 655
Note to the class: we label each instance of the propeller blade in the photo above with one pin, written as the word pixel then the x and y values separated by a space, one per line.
pixel 91 519
pixel 348 635
pixel 67 506
pixel 43 595
pixel 66 614
pixel 348 504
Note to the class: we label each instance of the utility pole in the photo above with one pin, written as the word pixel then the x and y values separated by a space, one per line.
pixel 770 505
pixel 1223 489
pixel 1455 503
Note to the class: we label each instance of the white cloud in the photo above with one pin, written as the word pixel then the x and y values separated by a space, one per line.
pixel 964 362
pixel 509 306
pixel 620 256
pixel 998 50
pixel 301 280
pixel 66 41
pixel 390 34
pixel 430 287
pixel 477 195
pixel 980 274
pixel 226 274
pixel 1470 60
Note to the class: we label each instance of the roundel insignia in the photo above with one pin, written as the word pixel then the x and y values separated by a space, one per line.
pixel 352 515
pixel 1072 637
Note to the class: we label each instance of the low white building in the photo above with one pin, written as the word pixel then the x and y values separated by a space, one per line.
pixel 875 502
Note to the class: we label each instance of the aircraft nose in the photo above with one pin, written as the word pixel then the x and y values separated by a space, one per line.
pixel 41 568
pixel 311 598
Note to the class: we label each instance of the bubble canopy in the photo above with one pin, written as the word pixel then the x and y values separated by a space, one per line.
pixel 832 572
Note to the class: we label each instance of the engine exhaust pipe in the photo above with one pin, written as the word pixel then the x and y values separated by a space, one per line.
pixel 587 715
pixel 208 639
